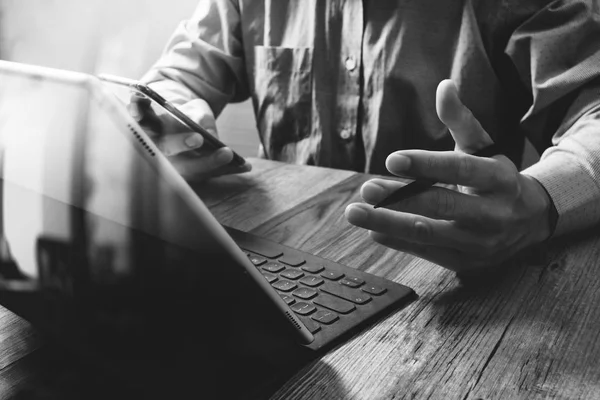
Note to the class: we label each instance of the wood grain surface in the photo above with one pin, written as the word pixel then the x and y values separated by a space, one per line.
pixel 531 332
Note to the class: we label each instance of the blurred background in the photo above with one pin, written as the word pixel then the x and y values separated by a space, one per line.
pixel 107 36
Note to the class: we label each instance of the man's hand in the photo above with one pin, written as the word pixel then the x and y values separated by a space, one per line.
pixel 184 148
pixel 496 211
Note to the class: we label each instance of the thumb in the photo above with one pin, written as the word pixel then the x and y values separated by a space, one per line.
pixel 467 132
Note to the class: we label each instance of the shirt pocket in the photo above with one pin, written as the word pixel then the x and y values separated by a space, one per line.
pixel 283 93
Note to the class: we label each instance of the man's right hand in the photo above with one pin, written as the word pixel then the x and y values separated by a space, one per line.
pixel 184 148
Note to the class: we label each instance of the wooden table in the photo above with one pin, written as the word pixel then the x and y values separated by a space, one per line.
pixel 532 333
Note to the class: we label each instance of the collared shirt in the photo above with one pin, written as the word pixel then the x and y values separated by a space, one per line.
pixel 343 83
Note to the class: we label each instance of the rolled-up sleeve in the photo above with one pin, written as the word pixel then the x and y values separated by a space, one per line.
pixel 204 58
pixel 557 55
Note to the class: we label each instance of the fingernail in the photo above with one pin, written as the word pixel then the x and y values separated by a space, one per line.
pixel 373 191
pixel 194 141
pixel 224 156
pixel 356 215
pixel 397 163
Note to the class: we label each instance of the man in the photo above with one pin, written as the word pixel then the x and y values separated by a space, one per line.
pixel 363 86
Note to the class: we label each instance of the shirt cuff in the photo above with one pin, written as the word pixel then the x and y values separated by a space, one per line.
pixel 573 191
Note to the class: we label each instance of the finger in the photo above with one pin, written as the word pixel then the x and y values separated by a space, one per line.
pixel 138 106
pixel 247 167
pixel 436 202
pixel 145 116
pixel 444 257
pixel 414 228
pixel 466 130
pixel 195 167
pixel 452 167
pixel 177 143
pixel 200 112
pixel 230 169
pixel 382 188
pixel 375 190
pixel 235 168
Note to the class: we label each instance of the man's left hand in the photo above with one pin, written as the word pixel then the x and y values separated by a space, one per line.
pixel 495 212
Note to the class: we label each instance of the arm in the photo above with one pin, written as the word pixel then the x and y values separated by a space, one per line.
pixel 498 210
pixel 557 55
pixel 201 70
pixel 204 58
pixel 570 172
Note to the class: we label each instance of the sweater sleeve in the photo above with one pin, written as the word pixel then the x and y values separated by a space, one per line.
pixel 204 58
pixel 557 55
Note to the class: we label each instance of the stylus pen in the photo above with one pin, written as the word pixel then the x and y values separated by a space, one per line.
pixel 418 186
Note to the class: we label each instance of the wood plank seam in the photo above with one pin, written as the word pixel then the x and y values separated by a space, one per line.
pixel 491 355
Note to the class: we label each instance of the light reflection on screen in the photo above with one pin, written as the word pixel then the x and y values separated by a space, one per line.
pixel 100 247
pixel 87 215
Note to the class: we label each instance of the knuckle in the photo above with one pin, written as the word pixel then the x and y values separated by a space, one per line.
pixel 436 164
pixel 489 246
pixel 420 231
pixel 507 179
pixel 503 217
pixel 444 204
pixel 431 163
pixel 412 204
pixel 464 169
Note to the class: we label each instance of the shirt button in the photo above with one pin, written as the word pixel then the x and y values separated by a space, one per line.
pixel 350 63
pixel 345 134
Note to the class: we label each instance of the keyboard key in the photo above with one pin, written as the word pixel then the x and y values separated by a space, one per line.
pixel 332 275
pixel 346 293
pixel 311 281
pixel 270 277
pixel 334 304
pixel 265 250
pixel 313 269
pixel 305 293
pixel 325 317
pixel 349 283
pixel 355 280
pixel 292 274
pixel 284 286
pixel 303 308
pixel 310 325
pixel 374 290
pixel 257 260
pixel 273 267
pixel 291 260
pixel 288 299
